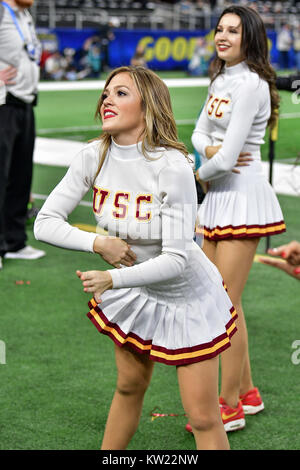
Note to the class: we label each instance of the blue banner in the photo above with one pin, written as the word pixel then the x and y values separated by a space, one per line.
pixel 163 49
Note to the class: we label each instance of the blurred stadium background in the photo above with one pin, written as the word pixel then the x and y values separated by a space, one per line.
pixel 169 31
pixel 57 375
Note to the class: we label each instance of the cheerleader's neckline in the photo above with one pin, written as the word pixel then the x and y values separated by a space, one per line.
pixel 236 69
pixel 131 152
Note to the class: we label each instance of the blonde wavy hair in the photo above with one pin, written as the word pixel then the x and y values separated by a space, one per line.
pixel 160 127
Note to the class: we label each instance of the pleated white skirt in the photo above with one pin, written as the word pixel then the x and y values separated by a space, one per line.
pixel 186 320
pixel 241 206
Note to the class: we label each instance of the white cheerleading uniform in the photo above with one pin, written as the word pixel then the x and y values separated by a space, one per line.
pixel 172 303
pixel 235 116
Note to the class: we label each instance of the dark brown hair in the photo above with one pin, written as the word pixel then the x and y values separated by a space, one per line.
pixel 254 48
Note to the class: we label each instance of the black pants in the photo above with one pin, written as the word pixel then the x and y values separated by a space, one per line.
pixel 17 136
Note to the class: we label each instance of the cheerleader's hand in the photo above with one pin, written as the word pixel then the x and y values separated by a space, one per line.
pixel 289 252
pixel 204 184
pixel 96 282
pixel 244 157
pixel 283 265
pixel 114 251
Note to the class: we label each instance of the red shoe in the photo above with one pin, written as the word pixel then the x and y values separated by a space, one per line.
pixel 233 418
pixel 252 402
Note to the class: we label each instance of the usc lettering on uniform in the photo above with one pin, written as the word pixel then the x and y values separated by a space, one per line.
pixel 121 211
pixel 121 203
pixel 99 198
pixel 143 198
pixel 215 106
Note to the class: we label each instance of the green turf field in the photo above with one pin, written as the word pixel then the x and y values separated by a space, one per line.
pixel 57 372
pixel 70 115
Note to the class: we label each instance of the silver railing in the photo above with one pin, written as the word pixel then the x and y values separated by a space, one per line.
pixel 52 13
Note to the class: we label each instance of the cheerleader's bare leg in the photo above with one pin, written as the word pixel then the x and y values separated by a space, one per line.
pixel 198 384
pixel 234 258
pixel 134 375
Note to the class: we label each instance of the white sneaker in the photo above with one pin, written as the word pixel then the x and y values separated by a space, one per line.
pixel 25 253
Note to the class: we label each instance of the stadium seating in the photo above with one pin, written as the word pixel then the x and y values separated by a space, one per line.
pixel 151 13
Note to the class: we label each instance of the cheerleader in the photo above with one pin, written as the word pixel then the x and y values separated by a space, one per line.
pixel 240 206
pixel 166 302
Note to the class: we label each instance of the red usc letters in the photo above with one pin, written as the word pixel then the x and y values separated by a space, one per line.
pixel 121 203
pixel 99 201
pixel 139 200
pixel 214 105
pixel 122 212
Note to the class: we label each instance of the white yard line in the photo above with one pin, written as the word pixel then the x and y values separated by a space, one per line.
pixel 55 152
pixel 99 84
pixel 59 152
pixel 63 130
pixel 43 197
pixel 289 116
pixel 179 122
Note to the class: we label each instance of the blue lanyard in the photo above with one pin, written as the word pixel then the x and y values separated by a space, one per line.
pixel 29 48
pixel 13 15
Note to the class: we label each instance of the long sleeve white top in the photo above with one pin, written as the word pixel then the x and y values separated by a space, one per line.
pixel 150 203
pixel 234 116
pixel 12 52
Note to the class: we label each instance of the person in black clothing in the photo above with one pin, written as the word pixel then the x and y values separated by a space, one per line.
pixel 19 67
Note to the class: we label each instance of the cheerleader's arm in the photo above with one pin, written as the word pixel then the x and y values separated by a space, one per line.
pixel 51 225
pixel 178 215
pixel 201 137
pixel 245 107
